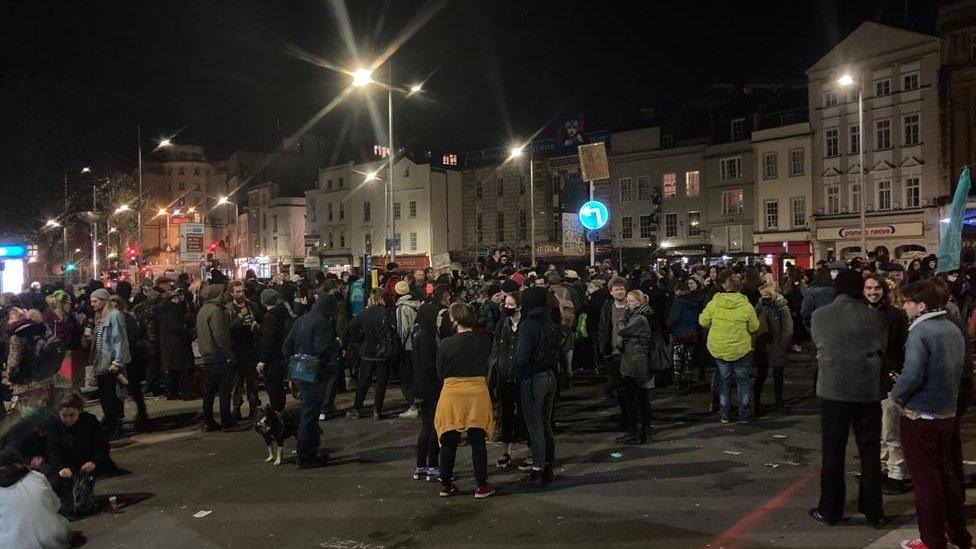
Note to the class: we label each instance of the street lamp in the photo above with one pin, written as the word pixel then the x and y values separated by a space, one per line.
pixel 122 208
pixel 165 142
pixel 514 153
pixel 362 77
pixel 416 88
pixel 847 80
pixel 51 224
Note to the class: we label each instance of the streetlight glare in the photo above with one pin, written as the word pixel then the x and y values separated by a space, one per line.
pixel 845 80
pixel 222 200
pixel 86 169
pixel 113 230
pixel 372 176
pixel 165 142
pixel 162 211
pixel 362 77
pixel 52 223
pixel 416 88
pixel 177 212
pixel 191 209
pixel 515 152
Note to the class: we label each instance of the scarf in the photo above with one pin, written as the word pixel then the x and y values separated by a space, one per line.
pixel 923 316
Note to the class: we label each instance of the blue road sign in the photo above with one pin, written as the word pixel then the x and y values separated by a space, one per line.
pixel 593 215
pixel 593 236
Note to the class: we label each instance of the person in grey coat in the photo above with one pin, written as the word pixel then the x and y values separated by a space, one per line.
pixel 849 387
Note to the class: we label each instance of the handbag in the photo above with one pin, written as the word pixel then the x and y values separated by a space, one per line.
pixel 83 495
pixel 305 368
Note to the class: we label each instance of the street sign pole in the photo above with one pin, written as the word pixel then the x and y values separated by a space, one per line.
pixel 592 243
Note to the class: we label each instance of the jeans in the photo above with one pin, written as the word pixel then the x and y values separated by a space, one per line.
pixel 217 380
pixel 892 456
pixel 740 369
pixel 513 420
pixel 427 444
pixel 309 433
pixel 274 383
pixel 406 376
pixel 538 398
pixel 366 369
pixel 479 454
pixel 836 420
pixel 939 493
pixel 112 407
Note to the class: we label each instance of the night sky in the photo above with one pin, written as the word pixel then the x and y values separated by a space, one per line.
pixel 78 76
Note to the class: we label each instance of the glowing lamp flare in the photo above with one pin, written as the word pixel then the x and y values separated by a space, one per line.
pixel 515 152
pixel 845 80
pixel 361 77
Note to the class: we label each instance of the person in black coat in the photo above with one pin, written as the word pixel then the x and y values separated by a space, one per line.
pixel 372 330
pixel 501 363
pixel 272 363
pixel 434 324
pixel 76 445
pixel 175 336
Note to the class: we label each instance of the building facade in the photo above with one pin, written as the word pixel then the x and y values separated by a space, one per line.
pixel 271 232
pixel 729 197
pixel 957 29
pixel 897 72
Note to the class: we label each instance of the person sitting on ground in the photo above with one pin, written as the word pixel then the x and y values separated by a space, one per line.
pixel 464 405
pixel 77 446
pixel 29 509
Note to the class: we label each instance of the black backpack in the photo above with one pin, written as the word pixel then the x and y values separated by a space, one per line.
pixel 550 348
pixel 389 345
pixel 42 358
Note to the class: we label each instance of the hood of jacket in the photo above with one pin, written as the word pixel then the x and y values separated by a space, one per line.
pixel 324 306
pixel 212 292
pixel 539 313
pixel 779 301
pixel 409 300
pixel 731 300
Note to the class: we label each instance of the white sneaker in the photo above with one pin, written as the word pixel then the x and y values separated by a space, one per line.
pixel 410 413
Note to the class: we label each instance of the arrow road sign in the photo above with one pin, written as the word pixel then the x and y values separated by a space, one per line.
pixel 593 215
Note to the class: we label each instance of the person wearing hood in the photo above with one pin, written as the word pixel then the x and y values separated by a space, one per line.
pixel 926 394
pixel 730 320
pixel 313 334
pixel 433 324
pixel 772 342
pixel 407 306
pixel 849 388
pixel 272 364
pixel 174 337
pixel 110 356
pixel 30 516
pixel 371 330
pixel 357 297
pixel 683 323
pixel 635 341
pixel 216 348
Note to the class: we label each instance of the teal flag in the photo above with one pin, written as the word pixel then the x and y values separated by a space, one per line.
pixel 950 243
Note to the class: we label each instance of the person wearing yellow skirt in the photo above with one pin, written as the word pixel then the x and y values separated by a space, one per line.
pixel 464 406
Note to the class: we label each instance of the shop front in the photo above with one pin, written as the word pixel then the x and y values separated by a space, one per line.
pixel 781 249
pixel 404 262
pixel 843 241
pixel 337 264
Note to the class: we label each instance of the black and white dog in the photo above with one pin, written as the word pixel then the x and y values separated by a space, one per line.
pixel 276 428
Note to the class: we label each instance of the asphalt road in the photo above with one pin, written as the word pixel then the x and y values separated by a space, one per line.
pixel 697 484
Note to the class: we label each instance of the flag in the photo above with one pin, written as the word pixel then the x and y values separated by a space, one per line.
pixel 950 243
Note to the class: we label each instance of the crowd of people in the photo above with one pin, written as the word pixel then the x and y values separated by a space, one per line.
pixel 489 349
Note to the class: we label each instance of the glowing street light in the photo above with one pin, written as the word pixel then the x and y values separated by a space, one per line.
pixel 52 223
pixel 113 230
pixel 372 176
pixel 416 88
pixel 162 211
pixel 165 142
pixel 847 80
pixel 515 152
pixel 86 169
pixel 191 209
pixel 362 77
pixel 122 208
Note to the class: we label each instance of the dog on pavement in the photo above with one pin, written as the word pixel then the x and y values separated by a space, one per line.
pixel 276 427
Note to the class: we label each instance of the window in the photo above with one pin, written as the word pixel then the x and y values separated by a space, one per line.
pixel 738 129
pixel 342 239
pixel 854 139
pixel 331 240
pixel 772 215
pixel 692 187
pixel 882 135
pixel 342 211
pixel 477 189
pixel 406 172
pixel 798 211
pixel 882 88
pixel 626 227
pixel 911 129
pixel 328 185
pixel 732 202
pixel 413 242
pixel 264 222
pixel 909 81
pixel 557 225
pixel 625 189
pixel 694 223
pixel 366 212
pixel 480 227
pixel 855 197
pixel 644 186
pixel 182 186
pixel 500 228
pixel 396 210
pixel 646 226
pixel 274 221
pixel 523 226
pixel 830 98
pixel 328 210
pixel 796 162
pixel 735 238
pixel 769 165
pixel 412 209
pixel 667 141
pixel 500 187
pixel 397 243
pixel 196 171
pixel 884 195
pixel 913 192
pixel 731 168
pixel 312 207
pixel 670 185
pixel 852 95
pixel 670 225
pixel 833 199
pixel 341 182
pixel 831 142
pixel 449 160
pixel 521 185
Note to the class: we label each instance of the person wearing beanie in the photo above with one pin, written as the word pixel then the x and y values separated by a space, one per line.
pixel 216 347
pixel 490 310
pixel 110 356
pixel 510 287
pixel 272 364
pixel 401 288
pixel 407 306
pixel 849 388
pixel 269 297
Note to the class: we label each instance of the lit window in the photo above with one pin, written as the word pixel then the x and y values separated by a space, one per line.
pixel 913 192
pixel 670 225
pixel 731 168
pixel 449 160
pixel 732 202
pixel 670 184
pixel 694 223
pixel 769 165
pixel 692 185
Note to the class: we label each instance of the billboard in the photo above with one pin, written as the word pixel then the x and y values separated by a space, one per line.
pixel 191 242
pixel 574 235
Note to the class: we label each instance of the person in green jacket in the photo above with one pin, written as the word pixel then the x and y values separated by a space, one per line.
pixel 214 344
pixel 731 320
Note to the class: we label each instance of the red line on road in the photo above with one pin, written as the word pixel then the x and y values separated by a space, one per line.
pixel 730 538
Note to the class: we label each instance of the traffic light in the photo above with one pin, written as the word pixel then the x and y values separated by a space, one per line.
pixel 213 246
pixel 69 267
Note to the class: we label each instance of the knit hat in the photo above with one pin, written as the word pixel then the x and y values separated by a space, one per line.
pixel 102 294
pixel 570 274
pixel 493 289
pixel 402 287
pixel 269 297
pixel 510 286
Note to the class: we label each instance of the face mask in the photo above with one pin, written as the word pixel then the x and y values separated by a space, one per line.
pixel 931 264
pixel 509 311
pixel 952 277
pixel 833 274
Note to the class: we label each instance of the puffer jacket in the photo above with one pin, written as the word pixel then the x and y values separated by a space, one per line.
pixel 501 362
pixel 636 340
pixel 684 313
pixel 213 332
pixel 730 320
pixel 775 334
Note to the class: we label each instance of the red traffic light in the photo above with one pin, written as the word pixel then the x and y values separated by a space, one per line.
pixel 213 246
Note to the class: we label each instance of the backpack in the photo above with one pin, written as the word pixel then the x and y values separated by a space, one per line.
pixel 567 310
pixel 417 331
pixel 406 316
pixel 42 358
pixel 390 345
pixel 550 349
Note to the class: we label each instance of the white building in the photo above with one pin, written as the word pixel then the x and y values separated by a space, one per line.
pixel 347 214
pixel 271 233
pixel 898 73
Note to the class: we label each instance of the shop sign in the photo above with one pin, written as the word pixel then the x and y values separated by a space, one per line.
pixel 548 249
pixel 894 230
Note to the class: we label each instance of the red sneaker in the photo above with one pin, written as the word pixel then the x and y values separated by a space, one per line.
pixel 532 479
pixel 447 489
pixel 484 490
pixel 913 544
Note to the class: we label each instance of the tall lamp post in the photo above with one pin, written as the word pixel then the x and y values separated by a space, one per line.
pixel 847 80
pixel 516 152
pixel 139 204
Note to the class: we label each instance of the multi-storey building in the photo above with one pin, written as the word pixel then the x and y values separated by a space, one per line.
pixel 271 233
pixel 897 72
pixel 957 28
pixel 729 196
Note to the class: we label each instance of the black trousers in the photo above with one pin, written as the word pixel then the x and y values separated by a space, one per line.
pixel 178 383
pixel 479 454
pixel 427 445
pixel 246 381
pixel 274 383
pixel 136 373
pixel 218 379
pixel 762 372
pixel 366 370
pixel 406 377
pixel 636 405
pixel 614 386
pixel 336 373
pixel 510 402
pixel 836 420
pixel 154 375
pixel 113 409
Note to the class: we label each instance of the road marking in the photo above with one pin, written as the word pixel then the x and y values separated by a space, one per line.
pixel 730 538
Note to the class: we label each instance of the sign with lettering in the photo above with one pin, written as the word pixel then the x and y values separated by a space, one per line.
pixel 548 249
pixel 593 161
pixel 191 242
pixel 895 230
